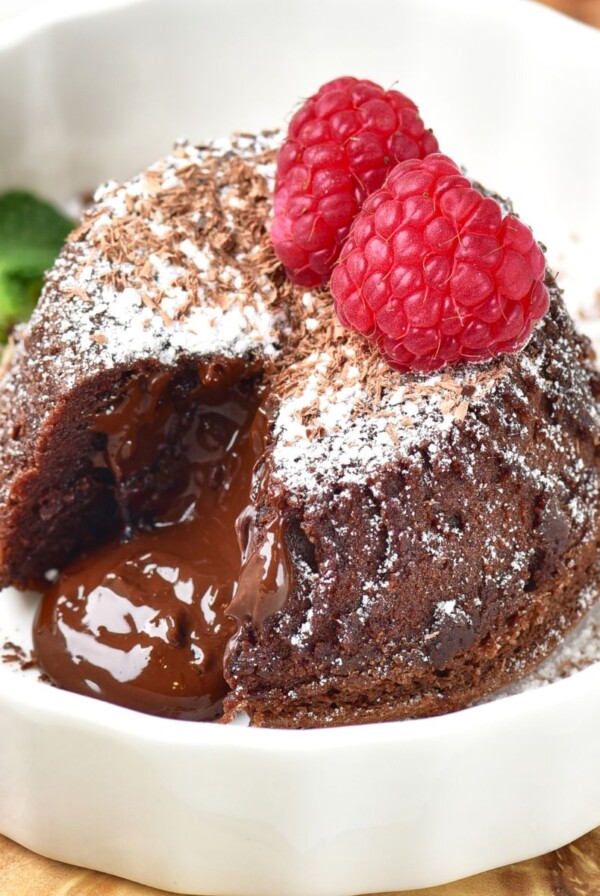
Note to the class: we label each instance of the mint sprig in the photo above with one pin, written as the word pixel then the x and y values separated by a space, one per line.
pixel 32 233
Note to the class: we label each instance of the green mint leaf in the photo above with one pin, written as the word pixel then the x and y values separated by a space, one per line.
pixel 32 233
pixel 18 298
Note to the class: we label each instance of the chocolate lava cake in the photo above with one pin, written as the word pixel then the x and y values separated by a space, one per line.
pixel 405 543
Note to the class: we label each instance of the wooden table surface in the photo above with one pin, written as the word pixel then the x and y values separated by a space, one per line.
pixel 571 871
pixel 585 10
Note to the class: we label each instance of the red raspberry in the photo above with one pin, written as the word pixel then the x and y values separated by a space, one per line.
pixel 339 148
pixel 433 273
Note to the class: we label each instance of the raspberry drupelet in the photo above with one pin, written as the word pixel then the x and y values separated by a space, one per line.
pixel 340 146
pixel 434 273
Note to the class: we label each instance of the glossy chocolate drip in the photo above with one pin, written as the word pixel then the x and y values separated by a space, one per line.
pixel 142 622
pixel 139 627
pixel 266 574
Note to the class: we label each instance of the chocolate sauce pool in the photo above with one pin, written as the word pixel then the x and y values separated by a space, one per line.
pixel 142 621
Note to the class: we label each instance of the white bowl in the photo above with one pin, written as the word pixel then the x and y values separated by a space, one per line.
pixel 512 91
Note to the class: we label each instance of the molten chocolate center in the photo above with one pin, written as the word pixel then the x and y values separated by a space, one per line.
pixel 142 621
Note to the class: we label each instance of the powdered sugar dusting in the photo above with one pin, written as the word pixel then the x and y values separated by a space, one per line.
pixel 159 266
pixel 339 432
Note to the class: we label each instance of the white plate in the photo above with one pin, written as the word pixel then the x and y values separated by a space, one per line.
pixel 512 91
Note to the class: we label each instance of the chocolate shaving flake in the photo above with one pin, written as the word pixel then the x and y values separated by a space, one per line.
pixel 75 292
pixel 447 406
pixel 225 242
pixel 148 301
pixel 460 412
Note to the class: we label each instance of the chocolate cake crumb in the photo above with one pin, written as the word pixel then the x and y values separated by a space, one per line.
pixel 14 653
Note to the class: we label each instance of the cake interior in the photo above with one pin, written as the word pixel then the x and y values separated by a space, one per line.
pixel 140 620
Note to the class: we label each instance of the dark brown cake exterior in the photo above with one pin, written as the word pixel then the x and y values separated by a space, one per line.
pixel 411 543
pixel 442 531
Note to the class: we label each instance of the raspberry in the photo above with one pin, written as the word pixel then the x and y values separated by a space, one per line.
pixel 434 274
pixel 339 148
